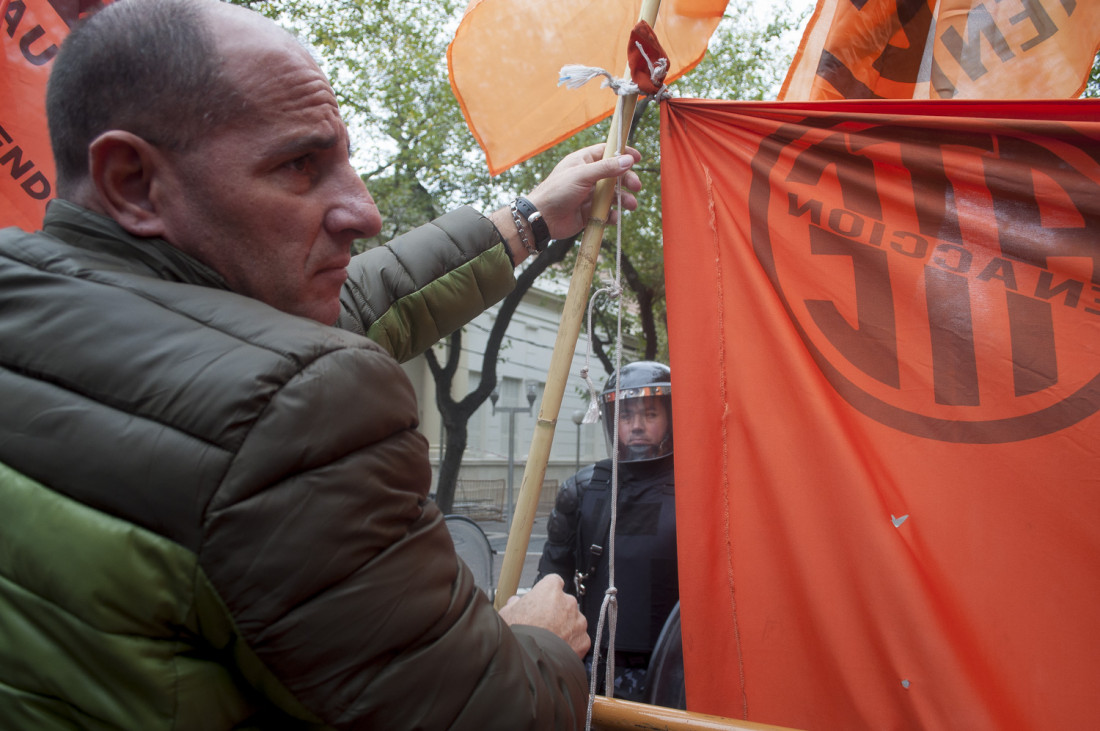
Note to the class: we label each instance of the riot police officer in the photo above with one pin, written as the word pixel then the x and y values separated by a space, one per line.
pixel 578 531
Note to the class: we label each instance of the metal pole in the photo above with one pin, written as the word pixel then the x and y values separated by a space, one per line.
pixel 511 462
pixel 578 466
pixel 512 411
pixel 578 419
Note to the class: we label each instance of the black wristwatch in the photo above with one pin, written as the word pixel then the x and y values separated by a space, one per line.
pixel 538 226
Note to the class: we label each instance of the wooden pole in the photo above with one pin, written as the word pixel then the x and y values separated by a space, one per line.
pixel 576 300
pixel 613 714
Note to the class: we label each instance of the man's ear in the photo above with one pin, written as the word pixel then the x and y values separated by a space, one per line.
pixel 126 171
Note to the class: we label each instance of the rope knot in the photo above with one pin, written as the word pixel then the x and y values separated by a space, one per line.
pixel 612 288
pixel 647 61
pixel 575 76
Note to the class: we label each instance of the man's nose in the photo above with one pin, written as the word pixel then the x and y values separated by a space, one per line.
pixel 353 212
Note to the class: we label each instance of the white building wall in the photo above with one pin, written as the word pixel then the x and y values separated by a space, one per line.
pixel 524 358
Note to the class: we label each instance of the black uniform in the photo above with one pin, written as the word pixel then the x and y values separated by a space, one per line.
pixel 646 575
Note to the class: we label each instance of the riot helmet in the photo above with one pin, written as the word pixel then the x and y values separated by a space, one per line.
pixel 645 411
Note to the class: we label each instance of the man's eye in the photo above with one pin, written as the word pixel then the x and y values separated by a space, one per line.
pixel 301 164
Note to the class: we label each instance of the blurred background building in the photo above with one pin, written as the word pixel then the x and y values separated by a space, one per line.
pixel 522 366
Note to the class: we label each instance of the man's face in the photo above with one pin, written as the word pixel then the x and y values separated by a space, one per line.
pixel 643 422
pixel 271 202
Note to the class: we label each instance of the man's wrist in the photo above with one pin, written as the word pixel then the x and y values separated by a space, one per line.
pixel 495 222
pixel 505 226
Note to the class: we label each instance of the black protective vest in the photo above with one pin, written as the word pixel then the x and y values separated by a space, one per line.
pixel 646 574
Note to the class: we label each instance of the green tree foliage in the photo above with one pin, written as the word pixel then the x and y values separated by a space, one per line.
pixel 1092 87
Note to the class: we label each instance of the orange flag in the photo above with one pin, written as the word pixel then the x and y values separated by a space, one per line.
pixel 884 325
pixel 506 55
pixel 32 33
pixel 942 49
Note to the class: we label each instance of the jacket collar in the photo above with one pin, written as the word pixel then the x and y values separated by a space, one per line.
pixel 85 229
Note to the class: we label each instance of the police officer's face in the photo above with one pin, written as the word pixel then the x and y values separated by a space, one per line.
pixel 642 421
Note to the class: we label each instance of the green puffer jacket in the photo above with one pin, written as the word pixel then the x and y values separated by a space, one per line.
pixel 214 515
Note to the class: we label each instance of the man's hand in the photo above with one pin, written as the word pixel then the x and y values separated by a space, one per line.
pixel 548 606
pixel 565 197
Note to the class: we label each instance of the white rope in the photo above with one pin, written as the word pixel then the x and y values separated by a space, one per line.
pixel 609 609
pixel 575 76
pixel 592 415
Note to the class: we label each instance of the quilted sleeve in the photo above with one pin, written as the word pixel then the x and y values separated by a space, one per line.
pixel 426 284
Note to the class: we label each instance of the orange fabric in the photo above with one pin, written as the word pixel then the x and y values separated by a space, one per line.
pixel 992 49
pixel 884 325
pixel 32 33
pixel 506 55
pixel 643 57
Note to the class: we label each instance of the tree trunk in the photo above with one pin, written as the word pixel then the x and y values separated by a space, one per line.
pixel 456 435
pixel 456 414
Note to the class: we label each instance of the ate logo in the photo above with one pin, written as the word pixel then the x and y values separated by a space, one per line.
pixel 945 281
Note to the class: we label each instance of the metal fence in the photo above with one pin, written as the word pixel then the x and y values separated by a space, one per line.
pixel 479 499
pixel 546 498
pixel 487 499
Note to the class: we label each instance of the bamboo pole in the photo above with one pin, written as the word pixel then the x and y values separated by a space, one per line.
pixel 565 345
pixel 614 714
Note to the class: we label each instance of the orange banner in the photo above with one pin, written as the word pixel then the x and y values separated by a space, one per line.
pixel 506 57
pixel 31 32
pixel 884 324
pixel 942 49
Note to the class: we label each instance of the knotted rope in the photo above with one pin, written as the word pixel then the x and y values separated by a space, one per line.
pixel 609 609
pixel 575 76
